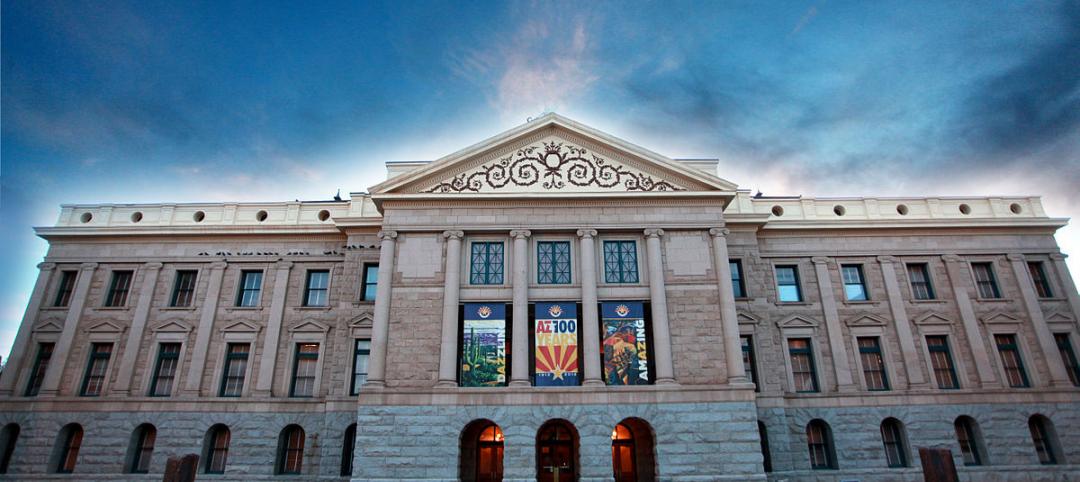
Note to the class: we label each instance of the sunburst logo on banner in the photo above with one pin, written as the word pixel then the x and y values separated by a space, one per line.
pixel 555 311
pixel 484 311
pixel 622 310
pixel 559 360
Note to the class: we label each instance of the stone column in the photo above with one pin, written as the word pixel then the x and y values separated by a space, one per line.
pixel 451 287
pixel 837 346
pixel 665 370
pixel 138 325
pixel 21 348
pixel 954 265
pixel 589 324
pixel 205 331
pixel 903 324
pixel 729 321
pixel 1059 377
pixel 265 381
pixel 50 385
pixel 1068 283
pixel 519 370
pixel 381 324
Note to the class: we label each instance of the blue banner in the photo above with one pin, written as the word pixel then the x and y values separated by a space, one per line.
pixel 483 348
pixel 556 344
pixel 626 359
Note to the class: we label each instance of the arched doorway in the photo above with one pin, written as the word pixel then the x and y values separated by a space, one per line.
pixel 556 452
pixel 481 452
pixel 632 455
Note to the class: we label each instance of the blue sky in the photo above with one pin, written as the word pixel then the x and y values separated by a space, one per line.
pixel 170 102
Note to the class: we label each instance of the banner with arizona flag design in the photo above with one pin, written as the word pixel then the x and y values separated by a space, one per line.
pixel 556 344
pixel 483 349
pixel 626 359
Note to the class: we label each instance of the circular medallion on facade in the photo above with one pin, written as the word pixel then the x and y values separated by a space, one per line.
pixel 622 310
pixel 484 311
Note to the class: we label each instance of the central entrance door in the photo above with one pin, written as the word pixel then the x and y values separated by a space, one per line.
pixel 556 457
pixel 489 455
pixel 623 457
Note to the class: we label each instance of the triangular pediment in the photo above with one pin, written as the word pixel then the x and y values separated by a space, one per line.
pixel 105 327
pixel 1059 317
pixel 172 326
pixel 363 321
pixel 746 318
pixel 866 319
pixel 240 327
pixel 48 327
pixel 552 155
pixel 797 321
pixel 309 327
pixel 933 319
pixel 1000 317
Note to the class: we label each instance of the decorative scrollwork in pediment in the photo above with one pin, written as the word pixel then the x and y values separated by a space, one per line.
pixel 555 166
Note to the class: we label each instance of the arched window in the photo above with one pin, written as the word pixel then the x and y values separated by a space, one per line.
pixel 481 452
pixel 290 450
pixel 8 437
pixel 820 445
pixel 632 454
pixel 556 451
pixel 216 449
pixel 764 436
pixel 892 436
pixel 348 447
pixel 66 451
pixel 970 439
pixel 1044 437
pixel 141 448
pixel 622 454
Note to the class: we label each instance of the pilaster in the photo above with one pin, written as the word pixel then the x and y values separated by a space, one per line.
pixel 1068 282
pixel 837 347
pixel 1059 377
pixel 19 349
pixel 265 379
pixel 205 329
pixel 130 352
pixel 915 375
pixel 50 385
pixel 954 265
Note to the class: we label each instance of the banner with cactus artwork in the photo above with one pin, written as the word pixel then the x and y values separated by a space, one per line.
pixel 483 347
pixel 626 359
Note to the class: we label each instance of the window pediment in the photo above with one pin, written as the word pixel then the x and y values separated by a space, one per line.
pixel 172 326
pixel 866 319
pixel 240 327
pixel 105 327
pixel 309 326
pixel 797 321
pixel 999 318
pixel 745 318
pixel 933 319
pixel 48 326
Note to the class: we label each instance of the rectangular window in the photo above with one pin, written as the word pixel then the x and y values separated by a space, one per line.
pixel 118 289
pixel 787 284
pixel 1038 277
pixel 370 283
pixel 66 287
pixel 553 262
pixel 41 363
pixel 919 274
pixel 985 281
pixel 854 283
pixel 96 369
pixel 303 381
pixel 184 288
pixel 738 284
pixel 802 365
pixel 236 360
pixel 1068 356
pixel 165 370
pixel 486 263
pixel 360 364
pixel 748 361
pixel 873 363
pixel 250 288
pixel 317 288
pixel 620 262
pixel 1010 359
pixel 941 359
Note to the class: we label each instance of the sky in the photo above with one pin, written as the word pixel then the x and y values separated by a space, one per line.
pixel 122 102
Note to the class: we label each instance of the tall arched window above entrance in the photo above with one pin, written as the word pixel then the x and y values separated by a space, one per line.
pixel 633 457
pixel 481 452
pixel 556 452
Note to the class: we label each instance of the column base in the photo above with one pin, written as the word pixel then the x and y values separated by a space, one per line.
pixel 593 382
pixel 373 384
pixel 666 381
pixel 446 384
pixel 520 383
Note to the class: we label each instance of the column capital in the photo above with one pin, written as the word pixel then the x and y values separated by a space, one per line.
pixel 283 265
pixel 88 266
pixel 1058 256
pixel 520 233
pixel 952 258
pixel 1015 257
pixel 586 233
pixel 153 265
pixel 888 259
pixel 46 266
pixel 218 265
pixel 384 235
pixel 821 260
pixel 654 233
pixel 719 232
pixel 453 234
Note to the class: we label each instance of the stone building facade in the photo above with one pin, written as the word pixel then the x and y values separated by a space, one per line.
pixel 779 338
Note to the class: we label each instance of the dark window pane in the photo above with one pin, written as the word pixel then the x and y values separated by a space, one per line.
pixel 184 288
pixel 738 284
pixel 165 371
pixel 787 284
pixel 236 359
pixel 553 262
pixel 37 373
pixel 360 364
pixel 1068 356
pixel 892 438
pixel 819 443
pixel 307 359
pixel 250 287
pixel 292 453
pixel 70 453
pixel 218 452
pixel 748 360
pixel 318 287
pixel 1010 359
pixel 854 286
pixel 118 289
pixel 802 365
pixel 941 358
pixel 65 288
pixel 873 364
pixel 1038 278
pixel 985 281
pixel 620 262
pixel 921 288
pixel 1040 438
pixel 486 262
pixel 96 369
pixel 969 443
pixel 144 449
pixel 370 282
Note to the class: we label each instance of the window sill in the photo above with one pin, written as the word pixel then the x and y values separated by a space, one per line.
pixel 793 303
pixel 863 302
pixel 993 300
pixel 112 308
pixel 177 308
pixel 244 308
pixel 312 308
pixel 934 301
pixel 364 303
pixel 54 308
pixel 1052 298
